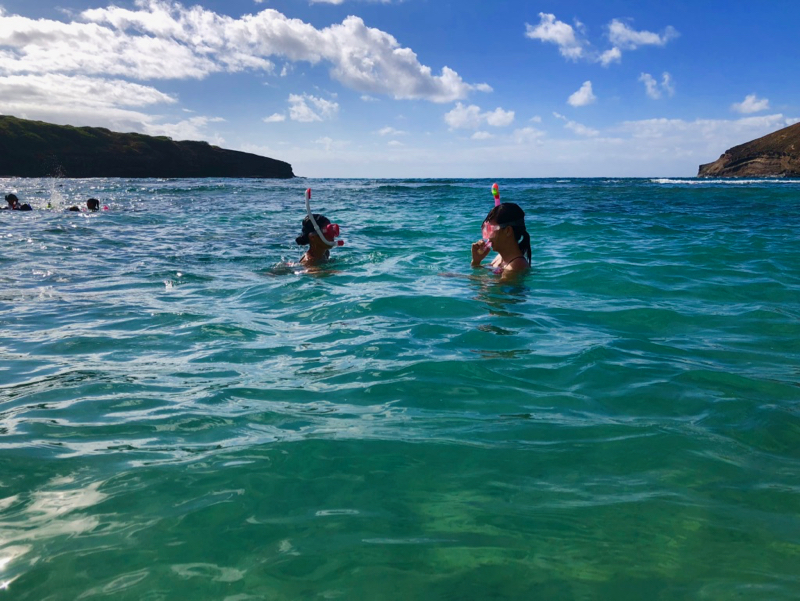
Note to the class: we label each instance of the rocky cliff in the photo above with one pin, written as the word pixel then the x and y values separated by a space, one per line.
pixel 38 149
pixel 774 155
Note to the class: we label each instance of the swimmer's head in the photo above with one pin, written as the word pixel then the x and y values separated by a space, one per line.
pixel 93 204
pixel 308 228
pixel 509 214
pixel 505 214
pixel 12 199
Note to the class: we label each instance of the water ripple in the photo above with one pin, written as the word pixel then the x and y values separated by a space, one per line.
pixel 185 409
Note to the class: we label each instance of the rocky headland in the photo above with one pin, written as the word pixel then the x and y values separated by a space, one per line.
pixel 39 149
pixel 774 155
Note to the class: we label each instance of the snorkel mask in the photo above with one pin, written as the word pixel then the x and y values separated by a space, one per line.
pixel 331 231
pixel 487 229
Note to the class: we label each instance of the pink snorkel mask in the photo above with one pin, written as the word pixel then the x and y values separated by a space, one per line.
pixel 487 229
pixel 331 231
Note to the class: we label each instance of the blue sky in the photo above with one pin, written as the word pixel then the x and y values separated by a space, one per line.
pixel 416 88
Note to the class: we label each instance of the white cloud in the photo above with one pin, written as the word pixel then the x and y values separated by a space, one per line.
pixel 672 148
pixel 556 32
pixel 577 128
pixel 320 109
pixel 651 85
pixel 390 131
pixel 722 132
pixel 325 142
pixel 190 129
pixel 655 90
pixel 464 117
pixel 368 98
pixel 83 100
pixel 573 46
pixel 500 118
pixel 751 104
pixel 528 135
pixel 275 118
pixel 482 135
pixel 581 130
pixel 160 39
pixel 85 91
pixel 328 144
pixel 536 119
pixel 471 117
pixel 613 55
pixel 584 96
pixel 667 84
pixel 625 38
pixel 394 143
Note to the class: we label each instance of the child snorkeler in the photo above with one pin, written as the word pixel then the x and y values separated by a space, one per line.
pixel 319 233
pixel 504 232
pixel 319 247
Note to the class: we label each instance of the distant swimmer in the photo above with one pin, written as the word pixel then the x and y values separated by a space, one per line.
pixel 319 233
pixel 91 205
pixel 13 204
pixel 504 232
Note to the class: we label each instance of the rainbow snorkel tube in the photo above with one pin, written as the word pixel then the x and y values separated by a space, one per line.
pixel 496 194
pixel 331 230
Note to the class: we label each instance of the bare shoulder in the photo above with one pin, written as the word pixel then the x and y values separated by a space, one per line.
pixel 518 264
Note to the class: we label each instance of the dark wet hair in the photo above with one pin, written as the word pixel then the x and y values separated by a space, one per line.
pixel 509 213
pixel 308 227
pixel 11 198
pixel 93 204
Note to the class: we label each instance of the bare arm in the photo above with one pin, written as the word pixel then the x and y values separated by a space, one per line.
pixel 479 251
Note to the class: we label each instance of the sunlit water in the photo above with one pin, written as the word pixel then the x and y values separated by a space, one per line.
pixel 184 416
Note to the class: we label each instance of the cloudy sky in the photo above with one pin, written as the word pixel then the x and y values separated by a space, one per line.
pixel 416 88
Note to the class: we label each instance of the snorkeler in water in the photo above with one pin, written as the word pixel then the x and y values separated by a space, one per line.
pixel 13 204
pixel 504 232
pixel 318 248
pixel 91 205
pixel 319 233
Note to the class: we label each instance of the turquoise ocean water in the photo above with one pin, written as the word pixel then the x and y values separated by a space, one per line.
pixel 183 416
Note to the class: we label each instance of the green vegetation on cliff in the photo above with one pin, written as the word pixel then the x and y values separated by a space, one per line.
pixel 38 149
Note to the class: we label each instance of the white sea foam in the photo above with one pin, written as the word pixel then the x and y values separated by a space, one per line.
pixel 735 182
